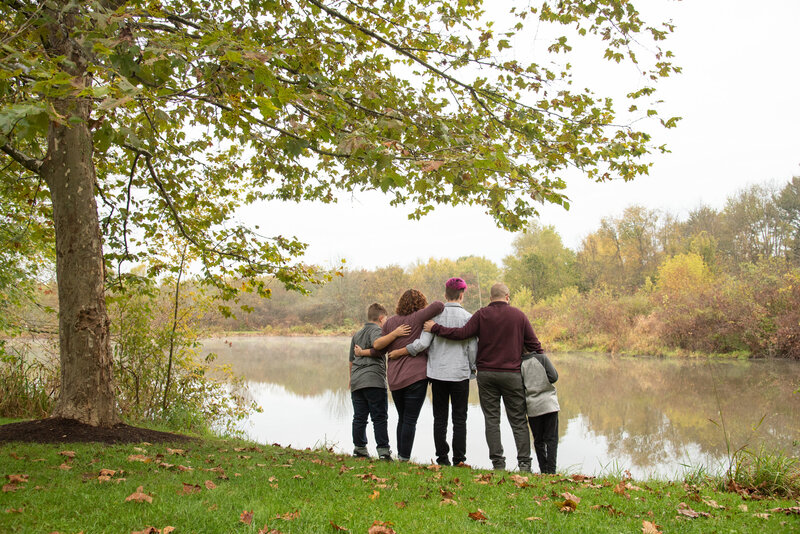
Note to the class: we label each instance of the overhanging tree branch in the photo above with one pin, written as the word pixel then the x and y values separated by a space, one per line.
pixel 32 164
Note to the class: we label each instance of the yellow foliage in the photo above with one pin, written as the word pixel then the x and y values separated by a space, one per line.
pixel 683 273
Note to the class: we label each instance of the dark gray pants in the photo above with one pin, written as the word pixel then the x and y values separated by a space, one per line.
pixel 493 386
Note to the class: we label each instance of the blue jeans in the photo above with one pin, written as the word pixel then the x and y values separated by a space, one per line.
pixel 408 402
pixel 374 403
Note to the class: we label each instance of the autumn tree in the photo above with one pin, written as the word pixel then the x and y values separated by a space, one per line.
pixel 139 119
pixel 540 262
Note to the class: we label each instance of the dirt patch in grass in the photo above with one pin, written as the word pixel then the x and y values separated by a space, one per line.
pixel 70 431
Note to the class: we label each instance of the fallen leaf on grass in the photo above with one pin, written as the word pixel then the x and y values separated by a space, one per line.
pixel 270 531
pixel 648 527
pixel 288 516
pixel 622 489
pixel 570 502
pixel 533 519
pixel 139 458
pixel 366 477
pixel 188 489
pixel 175 451
pixel 485 478
pixel 296 476
pixel 685 510
pixel 246 517
pixel 379 527
pixel 17 479
pixel 65 467
pixel 210 485
pixel 446 502
pixel 184 468
pixel 788 511
pixel 14 510
pixel 337 527
pixel 139 496
pixel 107 473
pixel 477 516
pixel 743 507
pixel 154 530
pixel 375 494
pixel 68 454
pixel 10 487
pixel 401 504
pixel 581 478
pixel 713 504
pixel 762 516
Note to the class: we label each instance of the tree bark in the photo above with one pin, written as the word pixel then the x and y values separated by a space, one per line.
pixel 87 392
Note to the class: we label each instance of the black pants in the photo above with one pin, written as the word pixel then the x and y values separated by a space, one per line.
pixel 444 394
pixel 408 402
pixel 370 402
pixel 545 440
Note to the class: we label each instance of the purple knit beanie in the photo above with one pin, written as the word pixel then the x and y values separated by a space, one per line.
pixel 456 283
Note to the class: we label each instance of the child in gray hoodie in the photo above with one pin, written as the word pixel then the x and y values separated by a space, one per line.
pixel 538 376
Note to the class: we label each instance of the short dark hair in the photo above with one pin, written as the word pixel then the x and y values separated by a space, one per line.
pixel 375 311
pixel 451 293
pixel 411 301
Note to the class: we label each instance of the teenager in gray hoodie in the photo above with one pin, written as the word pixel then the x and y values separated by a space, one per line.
pixel 538 376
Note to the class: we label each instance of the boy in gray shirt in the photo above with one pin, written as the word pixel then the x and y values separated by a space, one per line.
pixel 368 384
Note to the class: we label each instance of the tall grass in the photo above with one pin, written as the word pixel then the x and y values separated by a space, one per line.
pixel 28 385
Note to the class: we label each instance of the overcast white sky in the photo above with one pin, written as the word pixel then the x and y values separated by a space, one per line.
pixel 739 96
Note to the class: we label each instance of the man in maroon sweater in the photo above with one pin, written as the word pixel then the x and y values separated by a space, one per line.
pixel 504 334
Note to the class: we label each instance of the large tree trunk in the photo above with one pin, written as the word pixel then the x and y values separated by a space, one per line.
pixel 87 392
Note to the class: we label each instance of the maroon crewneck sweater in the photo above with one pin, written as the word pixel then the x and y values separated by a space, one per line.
pixel 504 333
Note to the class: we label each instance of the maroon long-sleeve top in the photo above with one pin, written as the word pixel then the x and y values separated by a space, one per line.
pixel 504 333
pixel 406 370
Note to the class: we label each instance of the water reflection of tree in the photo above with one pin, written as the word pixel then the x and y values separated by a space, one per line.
pixel 307 366
pixel 648 409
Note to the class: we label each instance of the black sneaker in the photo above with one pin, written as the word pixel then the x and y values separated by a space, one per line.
pixel 360 452
pixel 387 457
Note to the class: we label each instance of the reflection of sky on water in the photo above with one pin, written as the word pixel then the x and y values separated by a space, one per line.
pixel 650 416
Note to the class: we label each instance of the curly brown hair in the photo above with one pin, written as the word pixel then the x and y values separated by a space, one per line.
pixel 411 301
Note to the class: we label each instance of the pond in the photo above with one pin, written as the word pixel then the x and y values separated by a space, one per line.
pixel 653 417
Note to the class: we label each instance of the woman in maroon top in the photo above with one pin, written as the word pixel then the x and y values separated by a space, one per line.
pixel 407 375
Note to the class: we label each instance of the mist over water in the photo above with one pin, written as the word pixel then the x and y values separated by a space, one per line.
pixel 651 416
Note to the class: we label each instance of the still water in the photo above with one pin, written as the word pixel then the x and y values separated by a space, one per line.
pixel 653 417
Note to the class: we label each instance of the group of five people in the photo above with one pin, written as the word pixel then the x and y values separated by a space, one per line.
pixel 446 346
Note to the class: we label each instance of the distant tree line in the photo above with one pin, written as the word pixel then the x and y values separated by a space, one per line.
pixel 646 281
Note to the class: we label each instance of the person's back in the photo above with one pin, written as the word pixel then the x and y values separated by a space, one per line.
pixel 503 334
pixel 503 331
pixel 451 364
pixel 539 375
pixel 368 387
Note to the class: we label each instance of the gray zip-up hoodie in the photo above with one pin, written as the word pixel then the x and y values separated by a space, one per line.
pixel 538 376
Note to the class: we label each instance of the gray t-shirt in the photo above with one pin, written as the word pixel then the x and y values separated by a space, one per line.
pixel 367 371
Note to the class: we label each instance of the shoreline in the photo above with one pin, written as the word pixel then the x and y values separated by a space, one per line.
pixel 557 347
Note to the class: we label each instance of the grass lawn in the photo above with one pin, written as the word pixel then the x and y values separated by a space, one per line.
pixel 214 485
